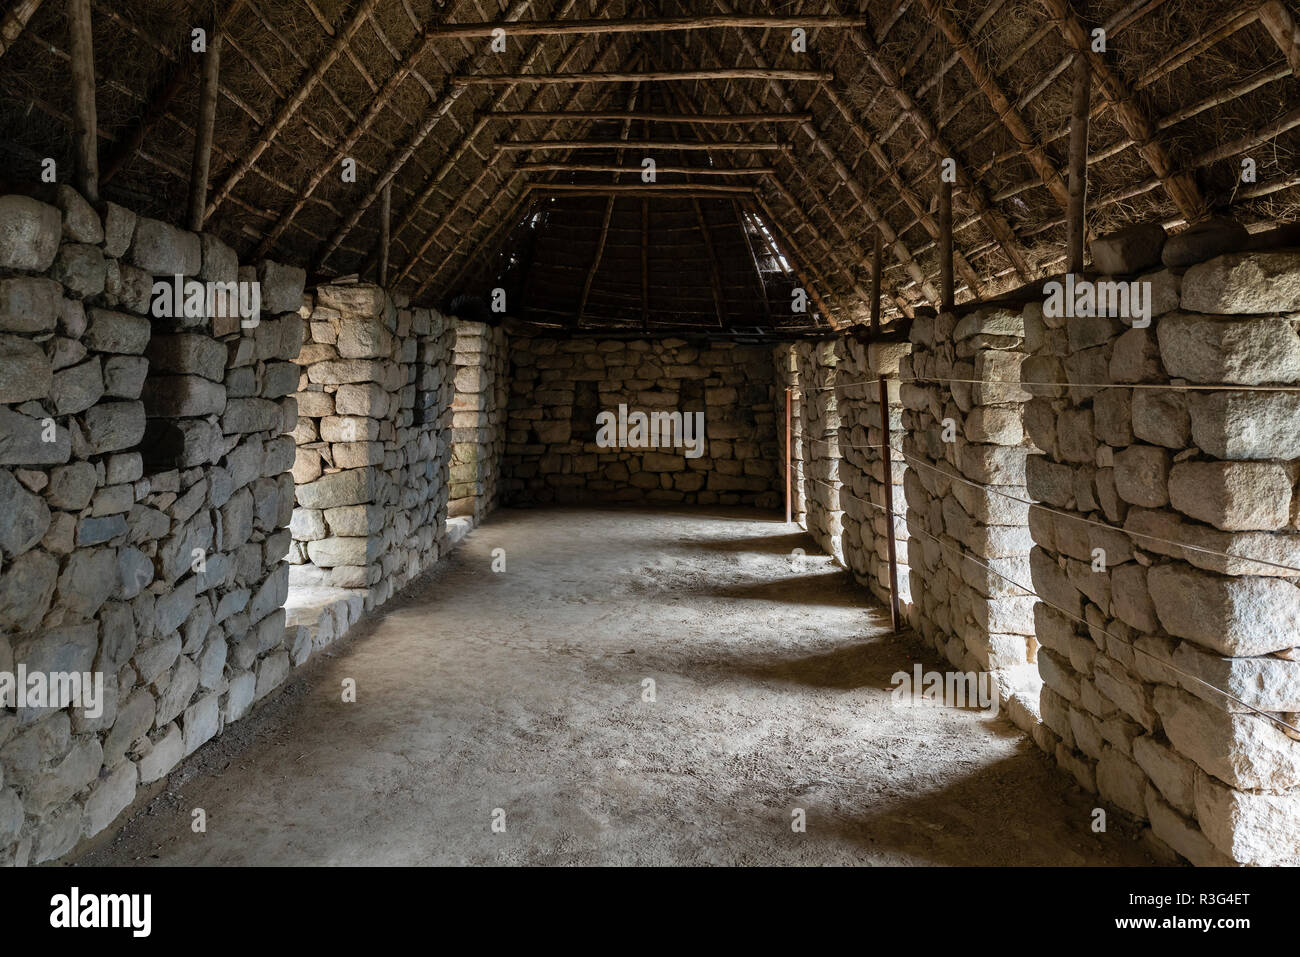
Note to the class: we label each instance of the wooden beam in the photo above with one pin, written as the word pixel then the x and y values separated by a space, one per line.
pixel 516 145
pixel 875 283
pixel 656 76
pixel 1079 114
pixel 846 177
pixel 385 213
pixel 289 108
pixel 1005 109
pixel 14 22
pixel 993 220
pixel 711 119
pixel 551 28
pixel 641 189
pixel 715 268
pixel 417 138
pixel 600 168
pixel 209 87
pixel 1180 186
pixel 378 103
pixel 609 215
pixel 947 296
pixel 1282 28
pixel 81 57
pixel 914 202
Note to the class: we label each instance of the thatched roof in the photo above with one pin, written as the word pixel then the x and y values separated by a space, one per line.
pixel 1184 92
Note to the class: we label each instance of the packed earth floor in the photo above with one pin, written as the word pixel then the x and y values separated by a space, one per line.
pixel 519 696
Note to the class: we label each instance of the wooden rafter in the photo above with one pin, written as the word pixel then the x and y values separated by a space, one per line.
pixel 909 196
pixel 993 220
pixel 654 76
pixel 606 168
pixel 418 137
pixel 290 107
pixel 1180 186
pixel 377 104
pixel 609 215
pixel 846 177
pixel 1008 114
pixel 487 169
pixel 561 27
pixel 1281 26
pixel 85 127
pixel 690 119
pixel 710 147
pixel 14 20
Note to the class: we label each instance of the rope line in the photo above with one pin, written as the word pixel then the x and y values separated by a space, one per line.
pixel 1064 514
pixel 1157 386
pixel 1029 592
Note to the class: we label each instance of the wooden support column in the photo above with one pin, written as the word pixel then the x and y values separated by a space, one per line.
pixel 875 284
pixel 209 87
pixel 1078 163
pixel 81 50
pixel 385 220
pixel 946 293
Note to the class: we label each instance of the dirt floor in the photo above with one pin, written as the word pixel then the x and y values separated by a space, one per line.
pixel 523 691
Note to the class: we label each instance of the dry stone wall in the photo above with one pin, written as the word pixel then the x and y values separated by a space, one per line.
pixel 819 430
pixel 478 419
pixel 559 387
pixel 965 493
pixel 865 539
pixel 373 442
pixel 1137 632
pixel 144 501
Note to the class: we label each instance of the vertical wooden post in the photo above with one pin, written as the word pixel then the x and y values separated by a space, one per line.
pixel 1078 162
pixel 789 512
pixel 209 84
pixel 385 218
pixel 887 466
pixel 875 284
pixel 947 296
pixel 81 56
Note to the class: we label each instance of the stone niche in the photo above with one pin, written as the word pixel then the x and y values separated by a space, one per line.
pixel 144 498
pixel 559 387
pixel 1137 633
pixel 373 442
pixel 478 419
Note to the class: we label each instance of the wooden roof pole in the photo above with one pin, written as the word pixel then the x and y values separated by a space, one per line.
pixel 1180 186
pixel 209 88
pixel 609 214
pixel 685 170
pixel 561 27
pixel 1079 115
pixel 377 105
pixel 659 76
pixel 290 107
pixel 816 198
pixel 522 145
pixel 14 22
pixel 85 124
pixel 414 143
pixel 448 215
pixel 897 245
pixel 1006 110
pixel 1282 28
pixel 799 263
pixel 993 220
pixel 687 119
pixel 914 202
